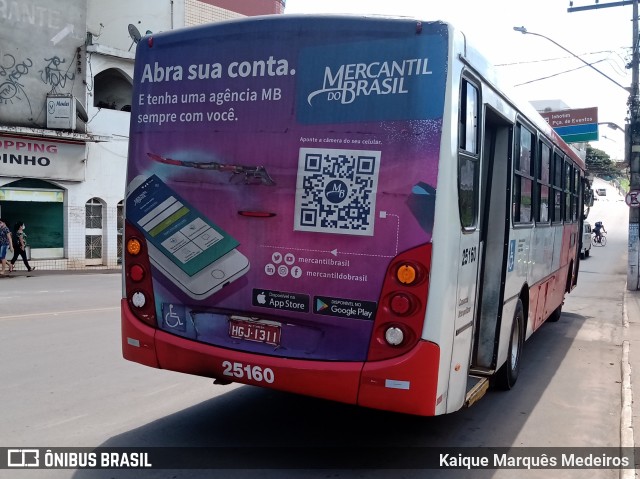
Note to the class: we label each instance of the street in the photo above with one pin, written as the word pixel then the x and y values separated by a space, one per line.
pixel 64 384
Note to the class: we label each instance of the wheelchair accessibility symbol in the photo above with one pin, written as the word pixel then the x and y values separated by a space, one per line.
pixel 173 316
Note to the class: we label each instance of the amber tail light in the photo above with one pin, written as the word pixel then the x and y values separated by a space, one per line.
pixel 137 271
pixel 402 306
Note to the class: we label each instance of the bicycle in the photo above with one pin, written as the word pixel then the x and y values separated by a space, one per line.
pixel 602 241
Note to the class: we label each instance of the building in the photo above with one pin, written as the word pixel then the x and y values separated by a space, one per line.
pixel 66 74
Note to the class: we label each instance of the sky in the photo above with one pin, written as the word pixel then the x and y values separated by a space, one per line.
pixel 601 36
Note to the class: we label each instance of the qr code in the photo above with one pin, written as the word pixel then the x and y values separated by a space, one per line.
pixel 336 191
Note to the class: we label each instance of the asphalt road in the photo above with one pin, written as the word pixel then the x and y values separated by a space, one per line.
pixel 64 383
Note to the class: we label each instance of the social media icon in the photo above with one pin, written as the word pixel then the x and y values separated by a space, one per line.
pixel 296 272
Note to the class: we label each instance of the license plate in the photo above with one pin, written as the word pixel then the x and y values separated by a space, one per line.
pixel 267 332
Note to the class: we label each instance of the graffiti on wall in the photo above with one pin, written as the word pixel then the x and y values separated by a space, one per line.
pixel 14 71
pixel 54 76
pixel 11 71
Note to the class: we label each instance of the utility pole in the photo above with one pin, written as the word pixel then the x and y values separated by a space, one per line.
pixel 633 273
pixel 632 143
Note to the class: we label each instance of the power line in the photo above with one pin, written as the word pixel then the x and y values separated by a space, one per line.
pixel 543 60
pixel 557 74
pixel 523 30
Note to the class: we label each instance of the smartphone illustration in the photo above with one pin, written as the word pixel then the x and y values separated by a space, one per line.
pixel 194 253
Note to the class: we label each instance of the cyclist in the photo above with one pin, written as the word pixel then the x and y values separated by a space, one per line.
pixel 598 229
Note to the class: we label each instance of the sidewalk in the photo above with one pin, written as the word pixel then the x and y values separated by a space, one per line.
pixel 17 273
pixel 630 416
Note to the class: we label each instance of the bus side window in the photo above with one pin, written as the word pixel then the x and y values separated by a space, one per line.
pixel 543 176
pixel 557 187
pixel 523 179
pixel 575 191
pixel 469 118
pixel 567 179
pixel 468 155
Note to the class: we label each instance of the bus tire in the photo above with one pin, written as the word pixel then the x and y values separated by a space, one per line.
pixel 507 375
pixel 555 316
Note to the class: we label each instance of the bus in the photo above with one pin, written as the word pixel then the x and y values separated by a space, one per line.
pixel 344 207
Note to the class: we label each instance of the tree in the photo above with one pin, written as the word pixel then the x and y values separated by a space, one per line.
pixel 599 164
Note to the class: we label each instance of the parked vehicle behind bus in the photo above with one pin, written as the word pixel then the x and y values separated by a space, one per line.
pixel 344 207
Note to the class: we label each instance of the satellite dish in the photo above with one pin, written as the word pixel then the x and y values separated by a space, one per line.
pixel 134 33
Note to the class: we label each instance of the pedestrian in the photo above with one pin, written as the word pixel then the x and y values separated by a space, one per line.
pixel 6 243
pixel 21 247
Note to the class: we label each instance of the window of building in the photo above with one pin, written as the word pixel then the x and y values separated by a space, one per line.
pixel 113 89
pixel 93 217
pixel 93 229
pixel 93 246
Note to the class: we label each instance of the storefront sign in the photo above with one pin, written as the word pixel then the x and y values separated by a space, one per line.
pixel 23 157
pixel 40 196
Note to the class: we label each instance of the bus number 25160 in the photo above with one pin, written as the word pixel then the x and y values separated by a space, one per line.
pixel 252 373
pixel 468 255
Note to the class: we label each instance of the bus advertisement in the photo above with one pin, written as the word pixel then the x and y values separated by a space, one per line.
pixel 295 216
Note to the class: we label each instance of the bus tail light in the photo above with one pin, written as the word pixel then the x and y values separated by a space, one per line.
pixel 402 306
pixel 394 336
pixel 137 269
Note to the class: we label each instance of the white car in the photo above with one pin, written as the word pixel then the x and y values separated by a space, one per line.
pixel 586 240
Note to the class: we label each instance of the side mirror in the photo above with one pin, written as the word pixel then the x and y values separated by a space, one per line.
pixel 588 197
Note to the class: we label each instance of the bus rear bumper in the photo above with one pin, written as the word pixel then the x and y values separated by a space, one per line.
pixel 336 381
pixel 138 343
pixel 405 384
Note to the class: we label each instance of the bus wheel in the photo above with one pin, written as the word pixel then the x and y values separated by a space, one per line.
pixel 555 316
pixel 508 374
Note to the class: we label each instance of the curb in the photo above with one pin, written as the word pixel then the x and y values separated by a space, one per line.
pixel 626 413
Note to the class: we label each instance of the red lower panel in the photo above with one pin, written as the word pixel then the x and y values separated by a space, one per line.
pixel 337 381
pixel 406 384
pixel 137 338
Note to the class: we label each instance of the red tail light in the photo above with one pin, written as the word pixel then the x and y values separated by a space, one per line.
pixel 138 285
pixel 402 306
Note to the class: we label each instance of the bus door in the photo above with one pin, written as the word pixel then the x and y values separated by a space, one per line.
pixel 494 230
pixel 469 164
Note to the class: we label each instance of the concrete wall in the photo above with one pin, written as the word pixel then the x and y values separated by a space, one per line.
pixel 108 21
pixel 39 42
